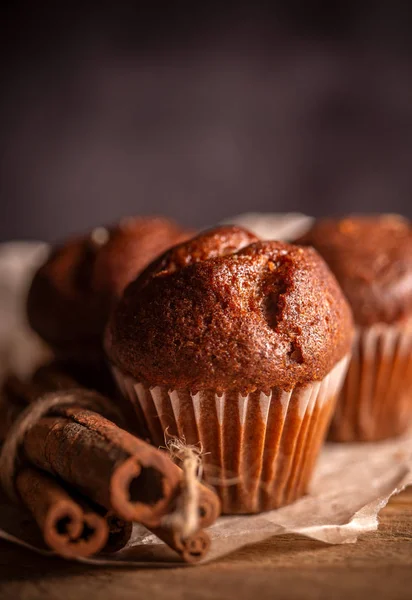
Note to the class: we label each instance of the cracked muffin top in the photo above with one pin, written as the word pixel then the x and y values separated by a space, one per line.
pixel 72 294
pixel 371 257
pixel 225 311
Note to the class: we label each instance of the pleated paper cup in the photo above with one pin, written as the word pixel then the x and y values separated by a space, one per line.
pixel 259 450
pixel 376 399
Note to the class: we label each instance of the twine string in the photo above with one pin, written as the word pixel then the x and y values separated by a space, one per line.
pixel 185 517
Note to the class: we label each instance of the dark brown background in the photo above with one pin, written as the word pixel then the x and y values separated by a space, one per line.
pixel 200 112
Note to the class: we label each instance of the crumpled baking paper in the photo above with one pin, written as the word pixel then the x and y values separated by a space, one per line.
pixel 273 226
pixel 352 482
pixel 20 349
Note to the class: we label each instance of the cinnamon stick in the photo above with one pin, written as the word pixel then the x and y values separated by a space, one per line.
pixel 52 377
pixel 209 506
pixel 59 375
pixel 104 462
pixel 68 528
pixel 120 532
pixel 109 465
pixel 191 549
pixel 113 468
pixel 194 547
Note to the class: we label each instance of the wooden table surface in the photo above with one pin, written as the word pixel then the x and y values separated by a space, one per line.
pixel 378 566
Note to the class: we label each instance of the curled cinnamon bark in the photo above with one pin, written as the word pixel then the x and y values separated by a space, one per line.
pixel 120 532
pixel 133 480
pixel 209 506
pixel 105 463
pixel 68 528
pixel 191 549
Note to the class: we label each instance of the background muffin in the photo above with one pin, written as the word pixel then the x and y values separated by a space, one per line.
pixel 239 344
pixel 73 292
pixel 371 256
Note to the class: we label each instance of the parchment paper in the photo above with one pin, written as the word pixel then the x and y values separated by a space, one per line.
pixel 273 226
pixel 352 482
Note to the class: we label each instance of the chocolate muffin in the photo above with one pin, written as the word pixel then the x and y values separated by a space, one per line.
pixel 371 257
pixel 240 345
pixel 72 293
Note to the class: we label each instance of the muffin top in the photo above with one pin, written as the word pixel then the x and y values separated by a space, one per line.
pixel 371 257
pixel 225 311
pixel 72 293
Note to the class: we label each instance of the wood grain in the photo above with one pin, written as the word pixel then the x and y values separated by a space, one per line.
pixel 292 567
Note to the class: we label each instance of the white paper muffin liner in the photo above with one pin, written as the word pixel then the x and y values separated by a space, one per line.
pixel 376 400
pixel 259 450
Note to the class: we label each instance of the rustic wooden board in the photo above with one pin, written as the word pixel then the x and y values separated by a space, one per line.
pixel 379 565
